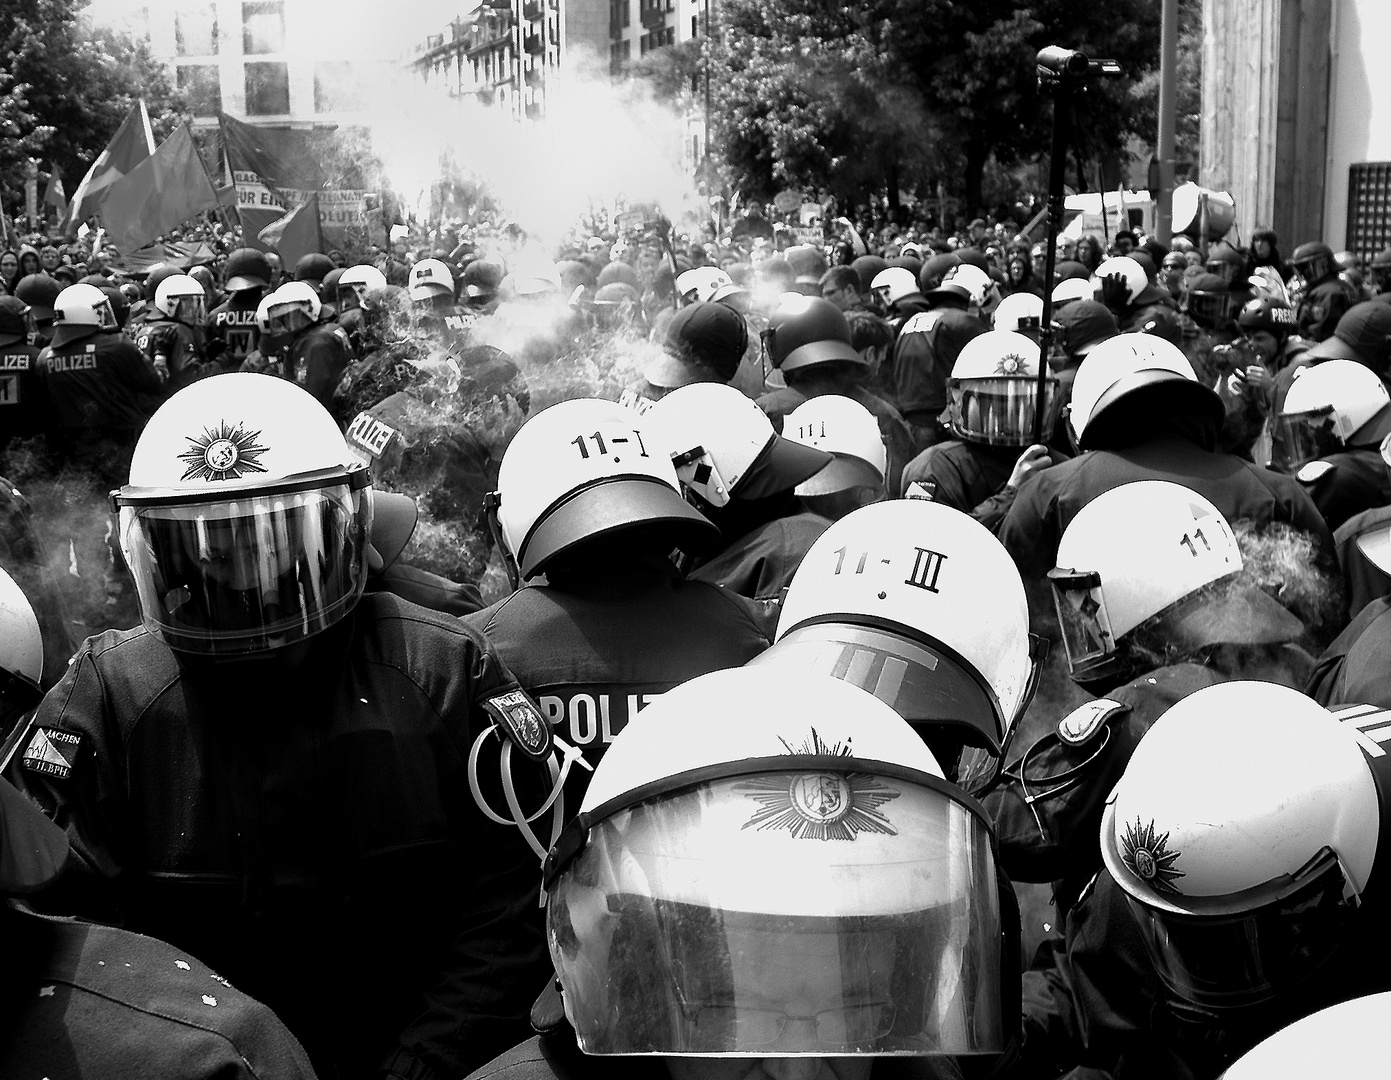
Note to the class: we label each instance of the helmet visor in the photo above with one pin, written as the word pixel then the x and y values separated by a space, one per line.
pixel 784 914
pixel 1086 625
pixel 1000 412
pixel 1209 308
pixel 248 573
pixel 1303 437
pixel 190 310
pixel 1245 957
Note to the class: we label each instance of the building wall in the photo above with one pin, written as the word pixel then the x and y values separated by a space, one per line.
pixel 1359 120
pixel 1265 108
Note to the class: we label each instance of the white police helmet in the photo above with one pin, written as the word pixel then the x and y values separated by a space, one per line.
pixel 771 864
pixel 430 278
pixel 21 652
pixel 182 297
pixel 292 307
pixel 246 519
pixel 1330 406
pixel 587 468
pixel 1243 830
pixel 994 390
pixel 1019 311
pixel 843 427
pixel 1126 268
pixel 80 310
pixel 701 283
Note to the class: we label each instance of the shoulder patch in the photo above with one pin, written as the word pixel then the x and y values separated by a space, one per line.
pixel 920 323
pixel 521 722
pixel 1314 471
pixel 52 752
pixel 370 435
pixel 1080 726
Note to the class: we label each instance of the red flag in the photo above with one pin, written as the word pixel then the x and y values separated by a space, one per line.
pixel 164 190
pixel 297 233
pixel 132 144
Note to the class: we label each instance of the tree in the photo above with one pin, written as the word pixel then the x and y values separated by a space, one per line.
pixel 65 87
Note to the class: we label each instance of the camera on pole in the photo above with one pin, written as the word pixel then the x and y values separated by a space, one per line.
pixel 1063 73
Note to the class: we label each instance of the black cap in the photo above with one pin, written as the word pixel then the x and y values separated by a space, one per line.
pixel 39 291
pixel 704 342
pixel 13 327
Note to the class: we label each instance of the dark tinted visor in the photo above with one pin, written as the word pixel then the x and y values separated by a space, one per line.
pixel 1303 437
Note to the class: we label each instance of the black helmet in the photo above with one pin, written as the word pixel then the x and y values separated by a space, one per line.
pixel 1266 313
pixel 156 275
pixel 328 288
pixel 247 268
pixel 1313 260
pixel 483 277
pixel 808 330
pixel 313 267
pixel 1209 300
pixel 39 291
pixel 13 324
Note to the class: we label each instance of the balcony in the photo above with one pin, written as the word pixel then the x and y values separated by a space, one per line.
pixel 532 10
pixel 533 45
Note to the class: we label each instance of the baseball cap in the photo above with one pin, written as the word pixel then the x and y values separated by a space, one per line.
pixel 1363 334
pixel 33 850
pixel 704 343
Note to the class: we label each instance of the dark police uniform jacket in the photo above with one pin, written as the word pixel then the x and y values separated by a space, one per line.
pixel 1346 483
pixel 309 832
pixel 99 384
pixel 1050 499
pixel 231 330
pixel 596 652
pixel 85 1002
pixel 1320 309
pixel 23 402
pixel 760 563
pixel 179 346
pixel 317 359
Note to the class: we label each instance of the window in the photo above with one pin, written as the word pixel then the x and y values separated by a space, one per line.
pixel 203 85
pixel 695 26
pixel 263 27
pixel 642 44
pixel 267 90
pixel 195 31
pixel 670 35
pixel 337 87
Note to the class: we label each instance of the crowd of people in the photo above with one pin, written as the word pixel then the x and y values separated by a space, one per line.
pixel 693 655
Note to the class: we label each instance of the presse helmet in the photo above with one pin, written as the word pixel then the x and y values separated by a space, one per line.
pixel 1149 549
pixel 800 880
pixel 1241 878
pixel 80 310
pixel 1266 313
pixel 180 297
pixel 993 390
pixel 584 469
pixel 723 446
pixel 245 523
pixel 920 605
pixel 1329 407
pixel 1133 372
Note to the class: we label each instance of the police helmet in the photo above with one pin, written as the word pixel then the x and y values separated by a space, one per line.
pixel 247 268
pixel 180 297
pixel 1346 1039
pixel 893 284
pixel 482 278
pixel 15 321
pixel 1070 290
pixel 1242 877
pixel 993 390
pixel 724 447
pixel 157 274
pixel 293 307
pixel 708 885
pixel 585 469
pixel 40 292
pixel 1128 270
pixel 1130 378
pixel 21 653
pixel 313 268
pixel 1329 407
pixel 1313 261
pixel 328 288
pixel 430 278
pixel 81 310
pixel 844 428
pixel 1021 312
pixel 1209 301
pixel 1266 313
pixel 245 523
pixel 701 283
pixel 807 330
pixel 922 606
pixel 1143 549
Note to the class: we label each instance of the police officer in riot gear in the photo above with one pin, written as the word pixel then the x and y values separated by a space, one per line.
pixel 173 335
pixel 231 329
pixel 318 843
pixel 1325 298
pixel 23 404
pixel 587 497
pixel 315 353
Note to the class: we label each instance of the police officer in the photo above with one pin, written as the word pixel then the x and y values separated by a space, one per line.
pixel 993 396
pixel 743 476
pixel 40 292
pixel 794 893
pixel 613 625
pixel 435 315
pixel 1231 903
pixel 356 314
pixel 99 386
pixel 23 404
pixel 313 267
pixel 1155 601
pixel 703 342
pixel 1138 406
pixel 1327 436
pixel 144 310
pixel 318 845
pixel 1324 298
pixel 173 335
pixel 848 431
pixel 315 353
pixel 231 332
pixel 809 342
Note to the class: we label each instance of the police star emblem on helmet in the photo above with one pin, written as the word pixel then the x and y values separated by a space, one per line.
pixel 1009 365
pixel 820 806
pixel 223 453
pixel 1146 856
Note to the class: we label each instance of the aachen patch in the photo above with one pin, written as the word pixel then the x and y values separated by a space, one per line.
pixel 223 453
pixel 52 752
pixel 521 722
pixel 1147 857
